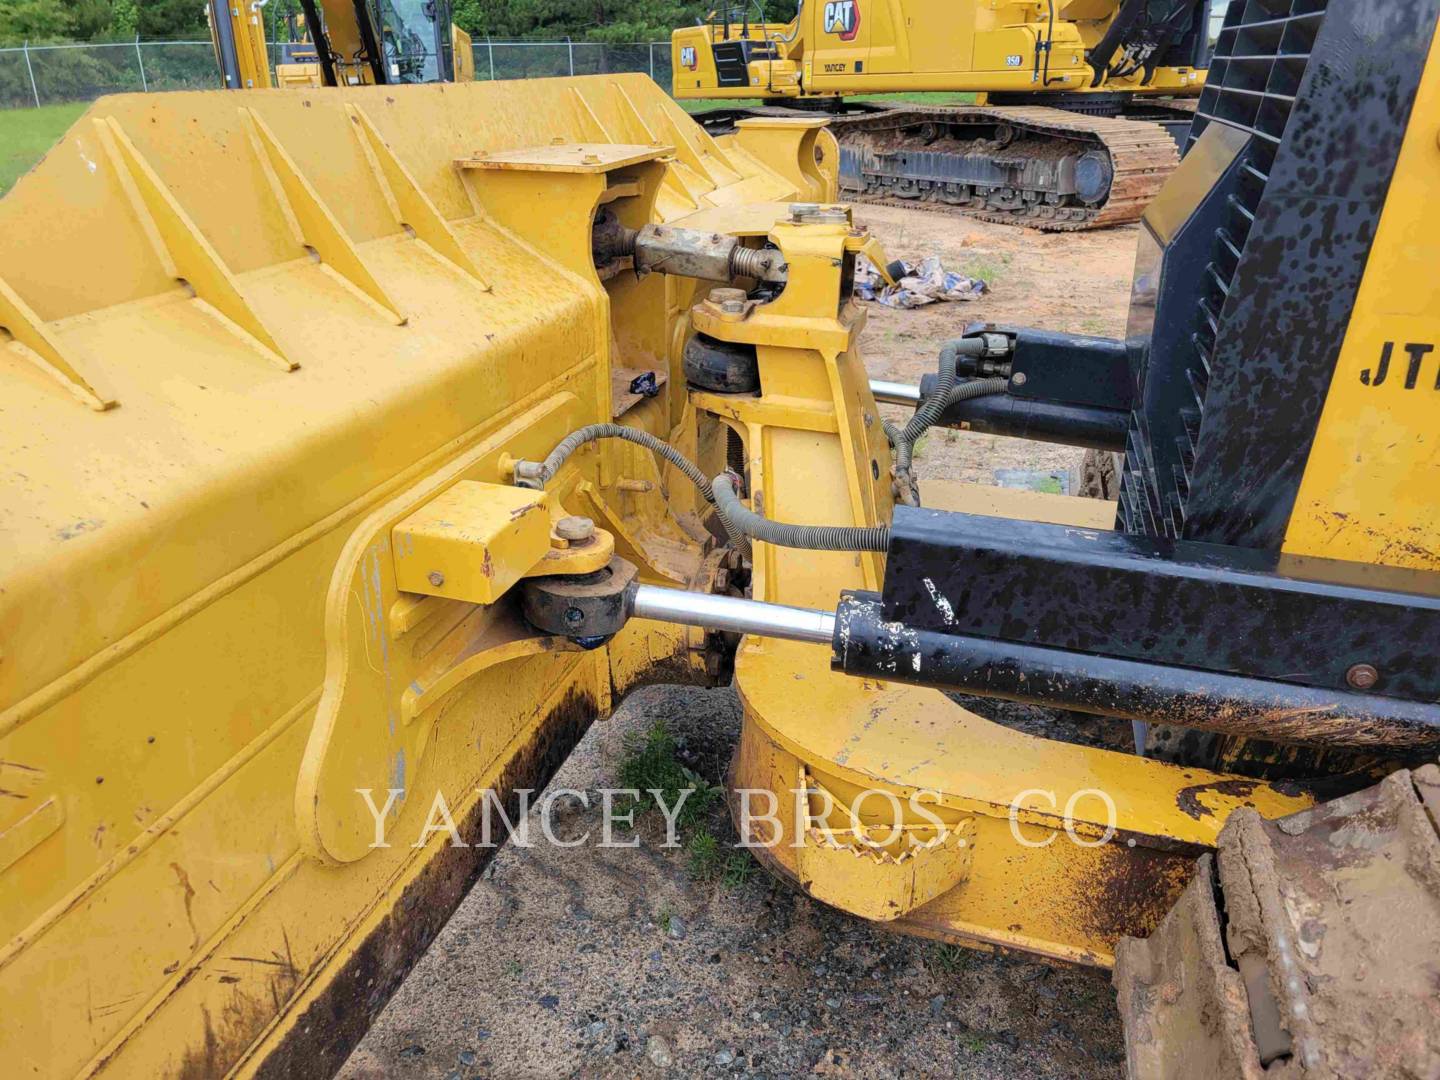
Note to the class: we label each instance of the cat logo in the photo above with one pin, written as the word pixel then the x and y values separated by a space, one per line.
pixel 687 57
pixel 842 17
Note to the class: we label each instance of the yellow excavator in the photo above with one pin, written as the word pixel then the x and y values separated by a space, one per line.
pixel 1085 102
pixel 341 43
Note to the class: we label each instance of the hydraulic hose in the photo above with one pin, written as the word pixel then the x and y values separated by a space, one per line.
pixel 947 391
pixel 740 520
pixel 971 388
pixel 545 472
pixel 576 439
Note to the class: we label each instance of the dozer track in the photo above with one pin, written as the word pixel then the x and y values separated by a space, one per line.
pixel 1307 946
pixel 1036 140
pixel 1016 164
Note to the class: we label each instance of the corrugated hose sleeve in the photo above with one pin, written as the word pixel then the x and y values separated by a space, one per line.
pixel 576 439
pixel 930 410
pixel 740 519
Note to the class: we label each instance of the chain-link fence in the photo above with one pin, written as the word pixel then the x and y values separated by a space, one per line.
pixel 540 59
pixel 35 75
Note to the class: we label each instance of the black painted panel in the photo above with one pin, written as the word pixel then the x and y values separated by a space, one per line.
pixel 1184 604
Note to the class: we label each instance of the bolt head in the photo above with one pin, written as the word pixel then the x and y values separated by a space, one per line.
pixel 1018 378
pixel 1362 676
pixel 436 578
pixel 575 528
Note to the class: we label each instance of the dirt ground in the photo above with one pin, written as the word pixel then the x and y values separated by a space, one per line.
pixel 598 962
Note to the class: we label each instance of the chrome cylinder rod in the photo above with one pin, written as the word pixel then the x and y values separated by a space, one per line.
pixel 895 393
pixel 734 613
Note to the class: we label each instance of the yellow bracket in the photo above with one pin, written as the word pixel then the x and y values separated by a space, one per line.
pixel 471 542
pixel 183 248
pixel 869 246
pixel 317 225
pixel 33 340
pixel 396 660
pixel 475 540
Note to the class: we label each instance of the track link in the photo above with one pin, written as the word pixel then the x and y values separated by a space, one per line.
pixel 1142 155
pixel 1307 947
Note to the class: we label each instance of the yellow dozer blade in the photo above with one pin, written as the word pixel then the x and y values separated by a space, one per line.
pixel 242 336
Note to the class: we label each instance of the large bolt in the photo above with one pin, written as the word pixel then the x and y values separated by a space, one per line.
pixel 575 528
pixel 1362 676
pixel 729 301
pixel 436 578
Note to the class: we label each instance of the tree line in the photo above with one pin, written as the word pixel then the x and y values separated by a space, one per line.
pixel 41 21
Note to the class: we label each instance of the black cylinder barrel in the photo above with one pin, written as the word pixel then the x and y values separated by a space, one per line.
pixel 866 645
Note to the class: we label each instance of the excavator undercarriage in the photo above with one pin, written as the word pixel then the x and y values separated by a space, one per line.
pixel 1048 168
pixel 1081 114
pixel 1024 165
pixel 365 444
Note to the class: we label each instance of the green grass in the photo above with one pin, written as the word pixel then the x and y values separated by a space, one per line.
pixel 25 135
pixel 649 765
pixel 948 959
pixel 988 269
pixel 712 861
pixel 916 98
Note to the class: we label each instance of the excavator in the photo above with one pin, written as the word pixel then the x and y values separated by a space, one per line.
pixel 1083 105
pixel 341 43
pixel 365 444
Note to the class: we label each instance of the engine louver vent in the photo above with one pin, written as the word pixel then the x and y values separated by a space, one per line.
pixel 1255 73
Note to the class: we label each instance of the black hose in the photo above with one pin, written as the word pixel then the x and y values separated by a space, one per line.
pixel 739 519
pixel 576 439
pixel 947 391
pixel 971 388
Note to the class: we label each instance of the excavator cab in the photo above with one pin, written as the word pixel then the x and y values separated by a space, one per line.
pixel 381 42
pixel 342 43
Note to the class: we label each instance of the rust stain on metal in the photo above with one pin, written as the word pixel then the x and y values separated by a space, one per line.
pixel 320 1039
pixel 1188 799
pixel 1131 890
pixel 244 1016
pixel 184 880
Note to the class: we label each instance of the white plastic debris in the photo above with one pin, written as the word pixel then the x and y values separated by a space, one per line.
pixel 921 284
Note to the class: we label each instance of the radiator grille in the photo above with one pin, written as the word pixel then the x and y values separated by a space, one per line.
pixel 1255 73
